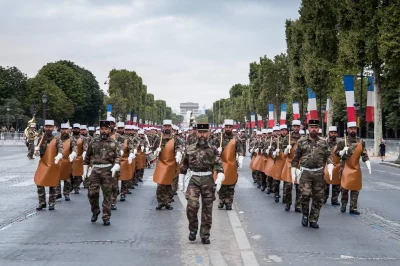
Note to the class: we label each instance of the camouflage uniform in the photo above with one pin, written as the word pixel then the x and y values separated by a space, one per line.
pixel 335 188
pixel 124 184
pixel 52 190
pixel 192 139
pixel 89 139
pixel 243 139
pixel 139 173
pixel 77 180
pixel 269 181
pixel 164 192
pixel 31 142
pixel 201 159
pixel 352 144
pixel 67 183
pixel 176 177
pixel 102 152
pixel 312 154
pixel 227 192
pixel 288 186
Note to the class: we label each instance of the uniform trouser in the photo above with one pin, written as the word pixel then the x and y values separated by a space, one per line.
pixel 226 193
pixel 175 185
pixel 138 175
pixel 115 188
pixel 254 175
pixel 204 186
pixel 86 182
pixel 66 187
pixel 125 185
pixel 276 186
pixel 101 177
pixel 163 194
pixel 263 180
pixel 353 198
pixel 244 149
pixel 335 192
pixel 312 186
pixel 31 148
pixel 42 195
pixel 287 193
pixel 76 182
pixel 270 181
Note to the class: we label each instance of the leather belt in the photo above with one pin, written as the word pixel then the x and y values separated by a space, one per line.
pixel 202 173
pixel 311 170
pixel 102 165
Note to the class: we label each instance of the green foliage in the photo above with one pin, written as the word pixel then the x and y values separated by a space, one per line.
pixel 12 83
pixel 16 111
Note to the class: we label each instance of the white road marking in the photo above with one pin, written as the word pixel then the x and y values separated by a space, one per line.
pixel 24 184
pixel 383 184
pixel 256 237
pixel 275 258
pixel 385 220
pixel 240 235
pixel 249 258
pixel 216 258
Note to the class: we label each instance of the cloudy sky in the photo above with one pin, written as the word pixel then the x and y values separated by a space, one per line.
pixel 185 50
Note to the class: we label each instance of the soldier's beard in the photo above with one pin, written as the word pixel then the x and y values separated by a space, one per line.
pixel 313 134
pixel 104 135
pixel 201 141
pixel 353 134
pixel 229 133
pixel 333 138
pixel 49 133
pixel 64 135
pixel 76 133
pixel 167 131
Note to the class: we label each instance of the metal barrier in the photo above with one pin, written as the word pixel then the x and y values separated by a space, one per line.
pixel 392 147
pixel 12 139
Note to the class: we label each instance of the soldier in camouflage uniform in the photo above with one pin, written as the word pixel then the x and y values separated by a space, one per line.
pixel 63 137
pixel 345 152
pixel 92 130
pixel 164 192
pixel 332 135
pixel 40 151
pixel 202 158
pixel 141 143
pixel 76 134
pixel 227 192
pixel 181 139
pixel 192 139
pixel 243 139
pixel 89 137
pixel 127 184
pixel 252 147
pixel 313 154
pixel 104 155
pixel 288 186
pixel 32 134
pixel 266 145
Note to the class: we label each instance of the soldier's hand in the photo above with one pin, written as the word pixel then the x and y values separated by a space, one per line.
pixel 220 179
pixel 219 150
pixel 131 157
pixel 240 161
pixel 57 158
pixel 85 169
pixel 330 171
pixel 368 163
pixel 72 156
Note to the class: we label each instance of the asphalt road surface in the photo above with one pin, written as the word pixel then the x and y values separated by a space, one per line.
pixel 257 232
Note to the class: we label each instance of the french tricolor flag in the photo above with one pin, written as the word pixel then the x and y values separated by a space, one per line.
pixel 109 110
pixel 271 120
pixel 328 104
pixel 283 114
pixel 369 117
pixel 253 120
pixel 259 121
pixel 134 119
pixel 296 111
pixel 349 90
pixel 128 119
pixel 312 104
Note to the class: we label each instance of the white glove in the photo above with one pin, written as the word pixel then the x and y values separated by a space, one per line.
pixel 121 152
pixel 277 151
pixel 36 148
pixel 37 153
pixel 219 150
pixel 256 150
pixel 142 148
pixel 134 152
pixel 131 157
pixel 287 150
pixel 147 149
pixel 240 161
pixel 85 169
pixel 251 150
pixel 114 169
pixel 58 158
pixel 180 182
pixel 72 156
pixel 293 171
pixel 274 154
pixel 368 163
pixel 267 151
pixel 83 155
pixel 298 174
pixel 330 171
pixel 269 147
pixel 178 157
pixel 342 152
pixel 220 179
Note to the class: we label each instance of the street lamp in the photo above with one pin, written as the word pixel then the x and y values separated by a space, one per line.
pixel 357 108
pixel 44 106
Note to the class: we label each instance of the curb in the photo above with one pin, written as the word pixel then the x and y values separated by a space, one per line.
pixel 391 164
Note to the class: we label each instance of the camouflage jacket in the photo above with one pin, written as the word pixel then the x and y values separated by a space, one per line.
pixel 103 152
pixel 46 141
pixel 352 144
pixel 88 138
pixel 312 153
pixel 201 159
pixel 177 144
pixel 285 140
pixel 31 134
pixel 72 145
pixel 192 139
pixel 331 143
pixel 225 141
pixel 85 143
pixel 242 138
pixel 121 140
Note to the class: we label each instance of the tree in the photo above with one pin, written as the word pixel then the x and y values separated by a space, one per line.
pixel 16 111
pixel 12 84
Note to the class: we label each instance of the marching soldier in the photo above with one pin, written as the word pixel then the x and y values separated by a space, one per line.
pixel 104 155
pixel 202 158
pixel 32 134
pixel 228 147
pixel 92 130
pixel 350 149
pixel 78 157
pixel 279 160
pixel 335 182
pixel 313 154
pixel 169 151
pixel 243 139
pixel 51 152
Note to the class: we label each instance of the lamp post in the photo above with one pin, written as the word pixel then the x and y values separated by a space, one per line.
pixel 44 105
pixel 357 108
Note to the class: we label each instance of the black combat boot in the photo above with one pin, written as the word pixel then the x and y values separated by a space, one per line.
pixel 122 198
pixel 268 191
pixel 59 196
pixel 254 181
pixel 355 212
pixel 118 192
pixel 106 222
pixel 51 207
pixel 160 206
pixel 325 201
pixel 276 198
pixel 314 225
pixel 258 185
pixel 169 207
pixel 335 203
pixel 297 209
pixel 129 192
pixel 304 220
pixel 287 207
pixel 206 240
pixel 41 207
pixel 140 180
pixel 113 207
pixel 192 236
pixel 76 190
pixel 221 205
pixel 175 193
pixel 263 188
pixel 228 206
pixel 67 198
pixel 136 184
pixel 343 208
pixel 95 216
